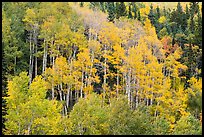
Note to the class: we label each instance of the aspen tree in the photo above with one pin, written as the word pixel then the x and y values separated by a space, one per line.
pixel 32 26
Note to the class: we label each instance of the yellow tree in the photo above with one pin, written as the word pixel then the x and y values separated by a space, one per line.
pixel 109 37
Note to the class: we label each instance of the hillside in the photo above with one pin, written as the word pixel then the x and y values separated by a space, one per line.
pixel 101 68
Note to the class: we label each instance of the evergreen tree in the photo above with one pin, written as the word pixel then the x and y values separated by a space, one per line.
pixel 129 12
pixel 151 15
pixel 122 9
pixel 134 10
pixel 102 6
pixel 111 11
pixel 138 16
pixel 81 4
pixel 157 15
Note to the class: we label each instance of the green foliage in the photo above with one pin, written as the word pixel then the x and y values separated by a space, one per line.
pixel 188 125
pixel 28 110
pixel 144 85
pixel 92 119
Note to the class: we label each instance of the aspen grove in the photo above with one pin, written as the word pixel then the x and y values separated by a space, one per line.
pixel 101 68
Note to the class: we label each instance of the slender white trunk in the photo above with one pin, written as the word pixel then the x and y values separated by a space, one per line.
pixel 67 98
pixel 60 92
pixel 129 85
pixel 82 82
pixel 53 91
pixel 36 61
pixel 136 104
pixel 44 57
pixel 104 79
pixel 30 61
pixel 117 84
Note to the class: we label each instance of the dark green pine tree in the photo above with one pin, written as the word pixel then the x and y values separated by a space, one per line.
pixel 151 15
pixel 81 4
pixel 94 5
pixel 111 11
pixel 187 12
pixel 139 16
pixel 102 6
pixel 122 9
pixel 198 30
pixel 157 15
pixel 194 8
pixel 117 10
pixel 157 25
pixel 180 18
pixel 164 11
pixel 134 9
pixel 186 17
pixel 129 12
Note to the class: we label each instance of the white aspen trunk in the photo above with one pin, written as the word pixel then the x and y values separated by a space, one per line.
pixel 43 67
pixel 92 62
pixel 67 98
pixel 136 104
pixel 61 87
pixel 30 61
pixel 53 91
pixel 51 58
pixel 71 99
pixel 65 110
pixel 128 89
pixel 44 57
pixel 60 93
pixel 35 47
pixel 126 83
pixel 53 61
pixel 137 94
pixel 117 84
pixel 104 79
pixel 36 61
pixel 151 100
pixel 82 82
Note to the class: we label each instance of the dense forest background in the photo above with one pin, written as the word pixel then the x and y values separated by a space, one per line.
pixel 101 68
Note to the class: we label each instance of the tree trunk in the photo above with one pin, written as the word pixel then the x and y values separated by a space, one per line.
pixel 36 61
pixel 128 88
pixel 53 91
pixel 60 93
pixel 117 84
pixel 82 82
pixel 43 67
pixel 30 61
pixel 67 98
pixel 44 57
pixel 104 79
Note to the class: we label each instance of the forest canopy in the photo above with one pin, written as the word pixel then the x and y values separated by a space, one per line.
pixel 104 68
